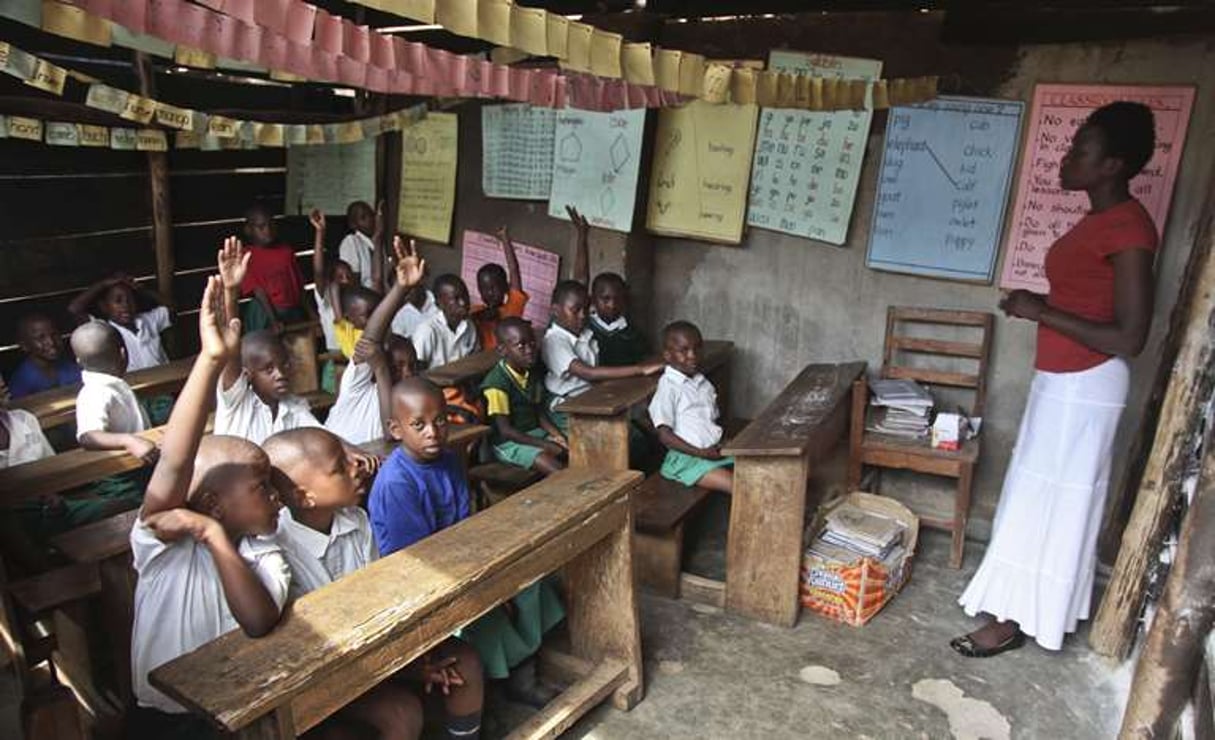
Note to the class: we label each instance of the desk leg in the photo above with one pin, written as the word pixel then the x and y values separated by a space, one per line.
pixel 118 607
pixel 278 725
pixel 599 441
pixel 764 547
pixel 602 608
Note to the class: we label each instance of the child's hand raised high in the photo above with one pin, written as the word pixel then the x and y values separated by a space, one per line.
pixel 317 219
pixel 579 221
pixel 233 262
pixel 408 266
pixel 219 339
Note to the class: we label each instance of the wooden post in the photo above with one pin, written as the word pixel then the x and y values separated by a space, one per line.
pixel 1168 666
pixel 158 178
pixel 1193 377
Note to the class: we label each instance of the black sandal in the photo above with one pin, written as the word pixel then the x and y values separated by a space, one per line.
pixel 965 645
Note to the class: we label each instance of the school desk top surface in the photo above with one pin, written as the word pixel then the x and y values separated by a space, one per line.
pixel 58 405
pixel 462 371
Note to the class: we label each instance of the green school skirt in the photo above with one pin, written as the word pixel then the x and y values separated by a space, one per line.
pixel 688 469
pixel 107 497
pixel 504 640
pixel 158 408
pixel 514 453
pixel 254 318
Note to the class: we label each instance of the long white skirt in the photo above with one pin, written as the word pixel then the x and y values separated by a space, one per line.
pixel 1039 567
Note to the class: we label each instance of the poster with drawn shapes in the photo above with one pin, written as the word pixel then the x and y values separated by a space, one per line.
pixel 1043 211
pixel 808 163
pixel 946 170
pixel 517 151
pixel 330 177
pixel 538 268
pixel 596 158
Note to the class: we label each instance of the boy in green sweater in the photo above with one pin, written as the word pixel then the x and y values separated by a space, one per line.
pixel 514 393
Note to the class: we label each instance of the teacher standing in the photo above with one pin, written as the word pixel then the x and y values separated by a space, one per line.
pixel 1036 578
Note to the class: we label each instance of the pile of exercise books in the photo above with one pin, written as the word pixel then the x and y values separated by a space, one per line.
pixel 902 408
pixel 853 532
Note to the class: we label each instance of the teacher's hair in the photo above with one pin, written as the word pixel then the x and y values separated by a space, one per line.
pixel 1129 131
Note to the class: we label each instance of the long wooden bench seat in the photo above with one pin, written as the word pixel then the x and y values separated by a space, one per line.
pixel 599 417
pixel 772 459
pixel 660 508
pixel 338 641
pixel 492 482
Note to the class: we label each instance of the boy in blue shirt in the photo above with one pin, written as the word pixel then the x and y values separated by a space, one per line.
pixel 420 490
pixel 46 365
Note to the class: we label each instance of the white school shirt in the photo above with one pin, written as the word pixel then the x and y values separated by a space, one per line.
pixel 408 318
pixel 316 558
pixel 241 413
pixel 436 344
pixel 688 406
pixel 324 314
pixel 180 603
pixel 143 345
pixel 559 350
pixel 106 403
pixel 356 250
pixel 26 442
pixel 355 416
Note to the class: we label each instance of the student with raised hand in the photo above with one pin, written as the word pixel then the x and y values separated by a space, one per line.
pixel 115 301
pixel 359 248
pixel 46 365
pixel 204 568
pixel 502 295
pixel 361 409
pixel 620 342
pixel 329 277
pixel 326 535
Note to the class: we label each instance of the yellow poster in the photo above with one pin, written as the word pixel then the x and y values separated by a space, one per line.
pixel 702 169
pixel 428 177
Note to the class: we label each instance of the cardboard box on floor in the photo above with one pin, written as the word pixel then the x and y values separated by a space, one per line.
pixel 853 593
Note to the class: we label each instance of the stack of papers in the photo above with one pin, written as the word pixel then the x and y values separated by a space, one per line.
pixel 852 532
pixel 903 408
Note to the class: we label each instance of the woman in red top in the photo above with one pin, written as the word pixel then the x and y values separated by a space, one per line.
pixel 1036 578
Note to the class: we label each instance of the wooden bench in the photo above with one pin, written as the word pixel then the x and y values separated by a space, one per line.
pixel 599 417
pixel 466 370
pixel 58 405
pixel 772 458
pixel 78 467
pixel 340 640
pixel 492 482
pixel 660 508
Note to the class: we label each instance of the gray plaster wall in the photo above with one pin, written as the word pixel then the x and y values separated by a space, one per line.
pixel 787 301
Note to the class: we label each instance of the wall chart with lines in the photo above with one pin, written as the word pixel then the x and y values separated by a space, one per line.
pixel 943 189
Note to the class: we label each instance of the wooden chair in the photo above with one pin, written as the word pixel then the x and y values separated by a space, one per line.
pixel 884 451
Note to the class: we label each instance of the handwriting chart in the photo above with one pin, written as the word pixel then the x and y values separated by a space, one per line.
pixel 330 177
pixel 1043 212
pixel 596 157
pixel 699 181
pixel 517 151
pixel 539 269
pixel 807 163
pixel 428 177
pixel 946 170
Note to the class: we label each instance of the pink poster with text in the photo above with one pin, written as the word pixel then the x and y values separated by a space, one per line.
pixel 538 268
pixel 1042 211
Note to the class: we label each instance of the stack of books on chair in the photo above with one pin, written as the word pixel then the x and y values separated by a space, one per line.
pixel 852 532
pixel 902 408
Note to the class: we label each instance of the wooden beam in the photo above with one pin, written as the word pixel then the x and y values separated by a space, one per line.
pixel 1192 379
pixel 1173 653
pixel 158 175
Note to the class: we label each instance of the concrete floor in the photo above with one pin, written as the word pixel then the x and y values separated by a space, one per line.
pixel 713 675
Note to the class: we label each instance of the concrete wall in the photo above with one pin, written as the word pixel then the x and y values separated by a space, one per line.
pixel 787 301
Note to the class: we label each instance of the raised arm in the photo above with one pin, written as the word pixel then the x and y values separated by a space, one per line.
pixel 1126 334
pixel 317 219
pixel 512 260
pixel 152 296
pixel 80 305
pixel 170 481
pixel 233 262
pixel 582 246
pixel 408 269
pixel 377 243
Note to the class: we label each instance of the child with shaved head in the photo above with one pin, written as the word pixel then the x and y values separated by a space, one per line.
pixel 203 567
pixel 420 490
pixel 326 536
pixel 108 415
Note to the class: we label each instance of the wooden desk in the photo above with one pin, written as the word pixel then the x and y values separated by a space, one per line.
pixel 599 417
pixel 340 640
pixel 58 405
pixel 471 368
pixel 78 467
pixel 772 458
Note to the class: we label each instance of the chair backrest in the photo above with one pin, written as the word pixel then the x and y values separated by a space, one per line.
pixel 898 345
